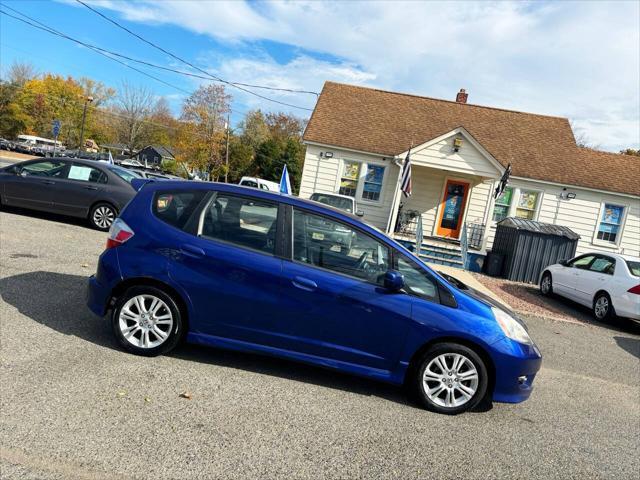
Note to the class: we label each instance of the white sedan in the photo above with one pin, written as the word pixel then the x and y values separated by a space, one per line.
pixel 607 283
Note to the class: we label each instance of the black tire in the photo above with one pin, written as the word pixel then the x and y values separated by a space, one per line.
pixel 450 349
pixel 174 332
pixel 102 216
pixel 544 290
pixel 601 301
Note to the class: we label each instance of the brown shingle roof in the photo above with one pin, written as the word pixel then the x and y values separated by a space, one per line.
pixel 538 147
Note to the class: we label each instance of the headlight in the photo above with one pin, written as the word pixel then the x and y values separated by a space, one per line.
pixel 511 327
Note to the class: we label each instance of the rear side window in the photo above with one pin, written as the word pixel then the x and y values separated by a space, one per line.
pixel 178 208
pixel 245 222
pixel 634 268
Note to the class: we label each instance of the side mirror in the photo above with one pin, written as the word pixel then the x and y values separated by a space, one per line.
pixel 359 213
pixel 564 263
pixel 21 173
pixel 393 281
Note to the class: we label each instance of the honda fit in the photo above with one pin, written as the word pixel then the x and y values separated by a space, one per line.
pixel 255 271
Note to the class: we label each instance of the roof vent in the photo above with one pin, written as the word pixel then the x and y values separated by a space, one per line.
pixel 462 95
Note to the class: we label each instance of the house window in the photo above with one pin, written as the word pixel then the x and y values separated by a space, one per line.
pixel 503 204
pixel 373 183
pixel 527 204
pixel 349 179
pixel 610 223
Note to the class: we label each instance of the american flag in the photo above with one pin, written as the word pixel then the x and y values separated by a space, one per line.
pixel 406 176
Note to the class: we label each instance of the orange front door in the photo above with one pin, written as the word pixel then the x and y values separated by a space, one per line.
pixel 452 209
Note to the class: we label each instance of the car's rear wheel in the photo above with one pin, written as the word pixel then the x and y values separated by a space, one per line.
pixel 102 215
pixel 602 307
pixel 147 321
pixel 451 379
pixel 546 285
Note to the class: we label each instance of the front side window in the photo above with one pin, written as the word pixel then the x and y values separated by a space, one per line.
pixel 527 204
pixel 349 179
pixel 373 183
pixel 44 169
pixel 178 208
pixel 603 265
pixel 416 280
pixel 242 221
pixel 503 204
pixel 610 223
pixel 582 262
pixel 326 243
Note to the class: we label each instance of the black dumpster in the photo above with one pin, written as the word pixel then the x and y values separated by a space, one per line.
pixel 528 247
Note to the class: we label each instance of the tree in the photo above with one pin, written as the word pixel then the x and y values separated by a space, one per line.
pixel 12 120
pixel 20 73
pixel 134 106
pixel 206 111
pixel 283 126
pixel 240 159
pixel 254 129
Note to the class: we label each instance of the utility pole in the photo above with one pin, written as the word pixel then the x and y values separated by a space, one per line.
pixel 226 170
pixel 84 117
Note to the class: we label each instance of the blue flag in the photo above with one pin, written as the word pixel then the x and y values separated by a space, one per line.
pixel 285 183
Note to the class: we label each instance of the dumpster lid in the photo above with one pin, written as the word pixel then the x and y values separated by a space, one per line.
pixel 539 227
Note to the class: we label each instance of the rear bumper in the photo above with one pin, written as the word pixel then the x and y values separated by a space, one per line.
pixel 627 305
pixel 97 296
pixel 100 285
pixel 516 368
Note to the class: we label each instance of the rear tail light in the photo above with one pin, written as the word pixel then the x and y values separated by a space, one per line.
pixel 635 289
pixel 119 233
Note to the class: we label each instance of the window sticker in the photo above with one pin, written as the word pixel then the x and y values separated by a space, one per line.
pixel 79 173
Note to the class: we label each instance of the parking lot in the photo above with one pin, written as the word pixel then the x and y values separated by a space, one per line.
pixel 73 405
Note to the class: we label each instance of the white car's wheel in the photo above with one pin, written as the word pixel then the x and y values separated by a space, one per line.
pixel 602 307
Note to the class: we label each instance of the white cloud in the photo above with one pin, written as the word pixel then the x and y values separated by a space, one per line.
pixel 580 60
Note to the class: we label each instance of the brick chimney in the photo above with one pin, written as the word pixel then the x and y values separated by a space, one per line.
pixel 462 95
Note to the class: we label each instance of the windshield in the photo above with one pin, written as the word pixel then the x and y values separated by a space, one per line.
pixel 123 173
pixel 634 268
pixel 345 204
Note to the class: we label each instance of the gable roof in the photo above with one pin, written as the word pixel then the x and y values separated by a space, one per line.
pixel 539 147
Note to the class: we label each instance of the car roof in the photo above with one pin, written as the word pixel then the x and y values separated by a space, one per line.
pixel 242 190
pixel 619 256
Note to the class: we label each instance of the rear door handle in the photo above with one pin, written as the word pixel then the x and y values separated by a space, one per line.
pixel 91 188
pixel 192 251
pixel 49 182
pixel 304 284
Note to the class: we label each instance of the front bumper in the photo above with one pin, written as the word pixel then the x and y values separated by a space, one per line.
pixel 516 368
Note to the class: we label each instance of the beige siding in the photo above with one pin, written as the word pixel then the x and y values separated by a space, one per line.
pixel 582 215
pixel 327 179
pixel 468 160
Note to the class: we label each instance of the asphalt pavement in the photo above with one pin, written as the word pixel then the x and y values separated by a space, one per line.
pixel 73 405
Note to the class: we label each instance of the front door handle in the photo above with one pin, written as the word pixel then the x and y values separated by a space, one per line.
pixel 304 284
pixel 91 188
pixel 49 182
pixel 192 250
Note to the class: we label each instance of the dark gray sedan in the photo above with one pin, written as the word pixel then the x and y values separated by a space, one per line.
pixel 79 188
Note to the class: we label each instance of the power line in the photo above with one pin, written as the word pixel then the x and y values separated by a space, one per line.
pixel 237 85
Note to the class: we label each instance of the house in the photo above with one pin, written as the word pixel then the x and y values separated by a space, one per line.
pixel 154 155
pixel 358 138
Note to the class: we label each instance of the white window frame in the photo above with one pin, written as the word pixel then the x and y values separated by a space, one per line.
pixel 364 165
pixel 514 202
pixel 604 243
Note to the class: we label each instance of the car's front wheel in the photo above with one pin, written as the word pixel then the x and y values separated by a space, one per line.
pixel 602 307
pixel 451 379
pixel 147 321
pixel 102 216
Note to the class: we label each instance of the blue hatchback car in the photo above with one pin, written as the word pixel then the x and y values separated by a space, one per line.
pixel 255 271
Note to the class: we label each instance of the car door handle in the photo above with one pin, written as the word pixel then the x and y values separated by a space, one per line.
pixel 192 251
pixel 48 182
pixel 91 188
pixel 304 284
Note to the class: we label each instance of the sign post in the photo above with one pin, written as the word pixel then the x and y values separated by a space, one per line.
pixel 56 131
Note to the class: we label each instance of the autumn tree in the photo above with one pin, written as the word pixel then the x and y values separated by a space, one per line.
pixel 205 112
pixel 133 107
pixel 254 129
pixel 20 73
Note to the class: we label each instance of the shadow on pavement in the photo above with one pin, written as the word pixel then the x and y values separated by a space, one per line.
pixel 57 301
pixel 52 217
pixel 631 345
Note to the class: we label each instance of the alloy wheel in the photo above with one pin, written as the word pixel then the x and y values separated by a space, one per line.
pixel 545 286
pixel 450 380
pixel 601 307
pixel 145 321
pixel 103 216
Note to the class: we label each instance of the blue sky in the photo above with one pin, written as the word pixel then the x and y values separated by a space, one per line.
pixel 572 59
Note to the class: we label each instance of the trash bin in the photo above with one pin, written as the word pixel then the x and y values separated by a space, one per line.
pixel 494 264
pixel 529 246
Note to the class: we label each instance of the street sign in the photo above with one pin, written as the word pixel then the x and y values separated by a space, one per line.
pixel 56 128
